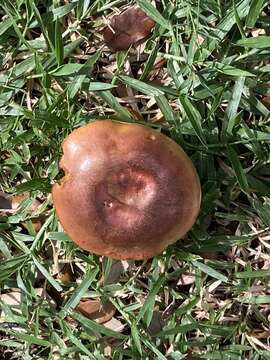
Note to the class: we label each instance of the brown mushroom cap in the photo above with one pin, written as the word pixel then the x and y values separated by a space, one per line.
pixel 130 27
pixel 128 191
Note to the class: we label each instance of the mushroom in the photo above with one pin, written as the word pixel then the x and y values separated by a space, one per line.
pixel 95 310
pixel 130 27
pixel 128 191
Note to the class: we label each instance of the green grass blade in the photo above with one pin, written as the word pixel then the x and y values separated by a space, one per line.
pixel 165 108
pixel 140 86
pixel 58 43
pixel 254 12
pixel 238 170
pixel 153 13
pixel 194 117
pixel 231 111
pixel 92 326
pixel 46 274
pixel 136 338
pixel 259 42
pixel 148 305
pixel 74 300
pixel 114 104
pixel 209 271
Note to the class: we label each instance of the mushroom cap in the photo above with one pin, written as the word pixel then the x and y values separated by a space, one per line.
pixel 130 27
pixel 128 191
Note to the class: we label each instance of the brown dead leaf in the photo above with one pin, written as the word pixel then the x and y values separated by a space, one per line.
pixel 211 255
pixel 266 101
pixel 128 28
pixel 157 323
pixel 95 310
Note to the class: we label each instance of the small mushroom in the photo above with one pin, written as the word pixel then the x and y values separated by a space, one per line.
pixel 128 28
pixel 128 191
pixel 95 310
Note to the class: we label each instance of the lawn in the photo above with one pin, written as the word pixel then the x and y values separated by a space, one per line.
pixel 202 78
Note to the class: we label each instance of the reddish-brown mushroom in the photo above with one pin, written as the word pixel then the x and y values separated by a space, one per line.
pixel 95 310
pixel 130 27
pixel 128 191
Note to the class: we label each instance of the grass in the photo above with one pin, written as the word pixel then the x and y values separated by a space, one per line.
pixel 200 77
